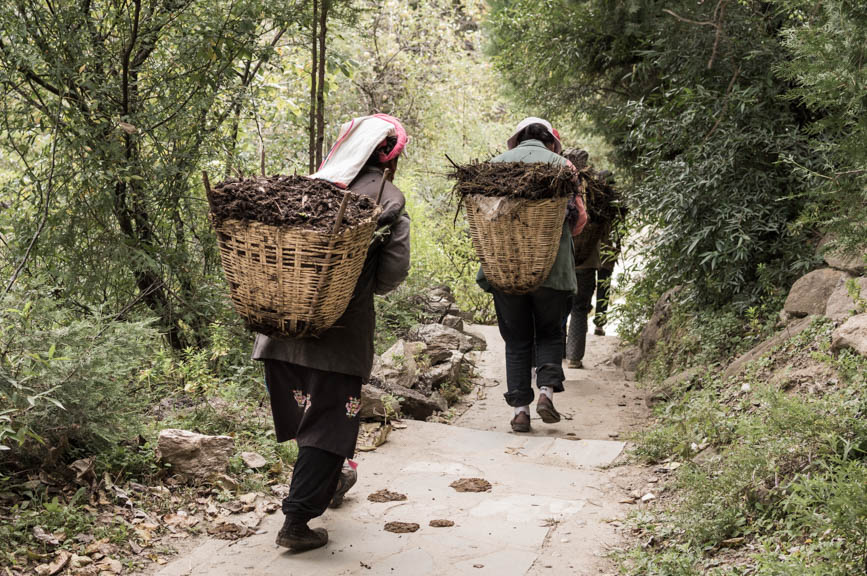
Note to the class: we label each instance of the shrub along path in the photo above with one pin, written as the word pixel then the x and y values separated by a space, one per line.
pixel 552 507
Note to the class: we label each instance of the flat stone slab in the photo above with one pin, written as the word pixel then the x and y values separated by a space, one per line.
pixel 536 482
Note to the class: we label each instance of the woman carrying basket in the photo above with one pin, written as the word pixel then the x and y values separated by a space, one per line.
pixel 533 321
pixel 315 383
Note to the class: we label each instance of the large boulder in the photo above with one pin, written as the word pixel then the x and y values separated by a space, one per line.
pixel 445 337
pixel 194 454
pixel 652 332
pixel 790 331
pixel 810 293
pixel 851 334
pixel 398 364
pixel 840 304
pixel 834 257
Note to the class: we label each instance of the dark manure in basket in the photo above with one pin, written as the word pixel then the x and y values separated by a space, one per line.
pixel 532 181
pixel 286 201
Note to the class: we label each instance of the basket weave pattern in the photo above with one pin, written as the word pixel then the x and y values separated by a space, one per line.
pixel 517 247
pixel 275 273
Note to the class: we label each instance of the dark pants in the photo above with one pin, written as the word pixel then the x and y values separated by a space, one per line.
pixel 527 321
pixel 602 285
pixel 315 407
pixel 577 339
pixel 314 481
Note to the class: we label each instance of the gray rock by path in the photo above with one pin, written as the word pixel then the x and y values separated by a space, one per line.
pixel 790 331
pixel 852 334
pixel 671 385
pixel 398 365
pixel 652 331
pixel 852 263
pixel 810 293
pixel 253 460
pixel 194 454
pixel 840 304
pixel 446 372
pixel 628 359
pixel 445 337
pixel 455 322
pixel 412 403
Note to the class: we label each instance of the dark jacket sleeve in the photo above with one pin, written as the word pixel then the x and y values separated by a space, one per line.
pixel 393 265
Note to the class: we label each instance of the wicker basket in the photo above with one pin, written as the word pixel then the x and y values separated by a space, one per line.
pixel 292 281
pixel 515 239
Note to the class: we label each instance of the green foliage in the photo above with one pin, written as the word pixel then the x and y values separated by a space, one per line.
pixel 782 469
pixel 723 118
pixel 827 44
pixel 106 111
pixel 67 381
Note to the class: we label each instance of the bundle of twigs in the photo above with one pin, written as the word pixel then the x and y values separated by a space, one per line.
pixel 534 181
pixel 602 200
pixel 295 201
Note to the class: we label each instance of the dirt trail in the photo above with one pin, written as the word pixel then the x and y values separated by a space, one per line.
pixel 553 506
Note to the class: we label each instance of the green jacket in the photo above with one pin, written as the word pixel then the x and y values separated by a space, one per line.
pixel 562 275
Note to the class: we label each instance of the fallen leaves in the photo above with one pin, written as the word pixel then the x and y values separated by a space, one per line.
pixel 227 530
pixel 374 438
pixel 59 563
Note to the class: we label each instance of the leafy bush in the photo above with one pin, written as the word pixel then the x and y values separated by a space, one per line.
pixel 784 470
pixel 68 382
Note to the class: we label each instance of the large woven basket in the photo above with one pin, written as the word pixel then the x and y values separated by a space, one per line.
pixel 292 281
pixel 515 239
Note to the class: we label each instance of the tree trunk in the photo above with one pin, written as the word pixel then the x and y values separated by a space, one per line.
pixel 314 61
pixel 320 94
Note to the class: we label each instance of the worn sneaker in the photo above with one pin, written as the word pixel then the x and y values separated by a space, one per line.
pixel 599 332
pixel 348 478
pixel 521 422
pixel 575 364
pixel 545 409
pixel 299 537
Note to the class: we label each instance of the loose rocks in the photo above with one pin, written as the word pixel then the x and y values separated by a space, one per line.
pixel 194 454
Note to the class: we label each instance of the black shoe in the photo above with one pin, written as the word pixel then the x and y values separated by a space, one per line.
pixel 599 332
pixel 575 364
pixel 348 478
pixel 545 409
pixel 299 537
pixel 521 422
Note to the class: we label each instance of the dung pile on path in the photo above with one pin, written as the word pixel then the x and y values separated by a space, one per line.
pixel 295 201
pixel 531 181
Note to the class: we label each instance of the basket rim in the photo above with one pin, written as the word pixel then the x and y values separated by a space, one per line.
pixel 300 228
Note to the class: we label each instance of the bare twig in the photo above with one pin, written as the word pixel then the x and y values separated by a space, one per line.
pixel 725 102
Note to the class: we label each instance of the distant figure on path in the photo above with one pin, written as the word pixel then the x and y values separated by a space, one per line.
pixel 315 383
pixel 595 257
pixel 535 320
pixel 609 253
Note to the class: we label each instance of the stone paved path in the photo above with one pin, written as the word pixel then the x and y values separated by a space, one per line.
pixel 551 508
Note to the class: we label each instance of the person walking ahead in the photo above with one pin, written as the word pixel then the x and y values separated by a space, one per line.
pixel 535 319
pixel 315 383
